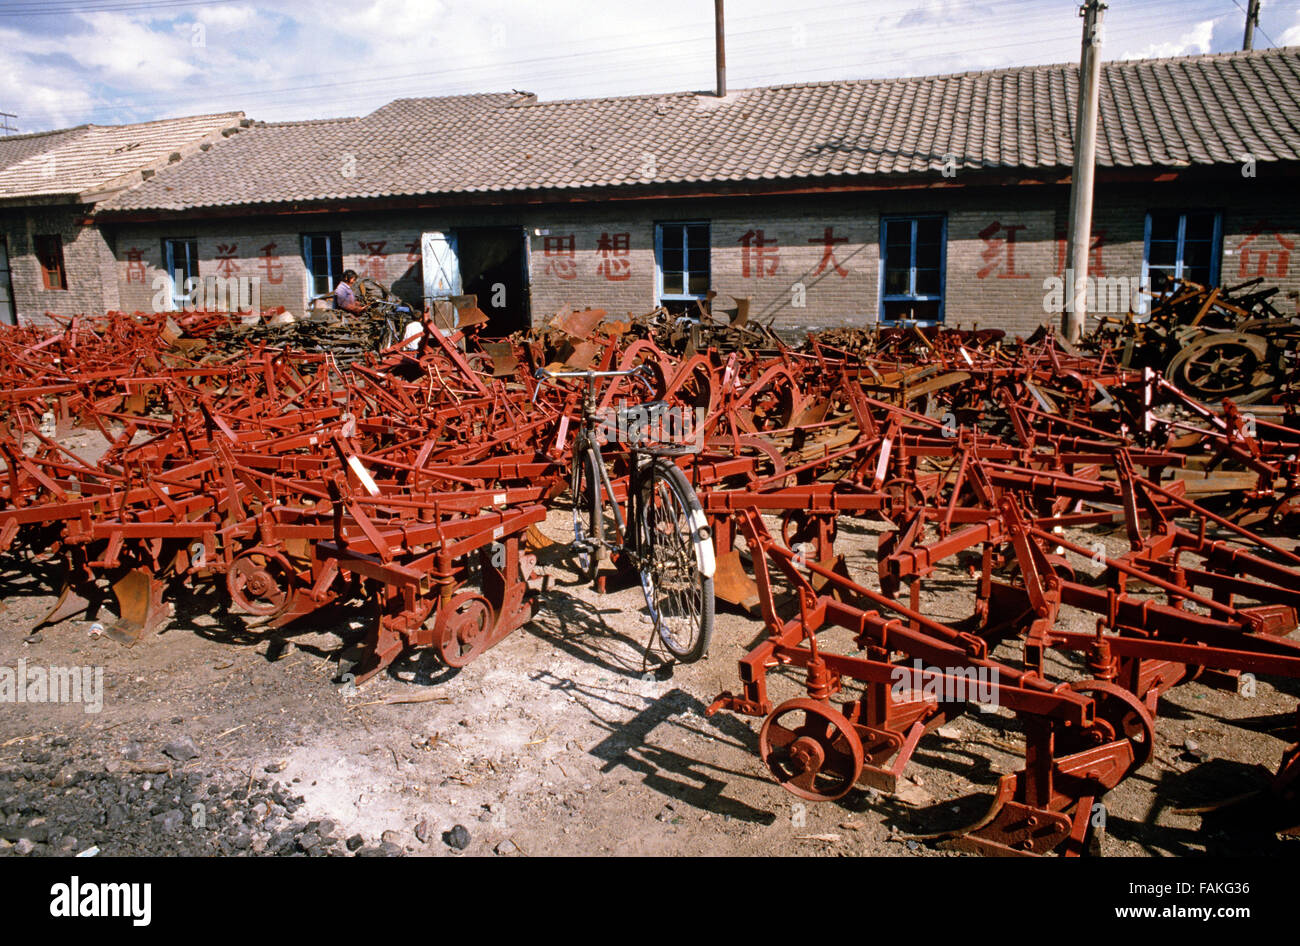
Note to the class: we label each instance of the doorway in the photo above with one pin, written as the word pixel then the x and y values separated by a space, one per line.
pixel 494 268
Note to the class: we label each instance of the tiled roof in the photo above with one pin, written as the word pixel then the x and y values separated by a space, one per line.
pixel 1171 112
pixel 89 161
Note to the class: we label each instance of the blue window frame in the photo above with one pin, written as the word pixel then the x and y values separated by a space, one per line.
pixel 181 259
pixel 323 255
pixel 912 252
pixel 682 261
pixel 1184 245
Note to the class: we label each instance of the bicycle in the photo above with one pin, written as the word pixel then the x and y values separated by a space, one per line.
pixel 669 546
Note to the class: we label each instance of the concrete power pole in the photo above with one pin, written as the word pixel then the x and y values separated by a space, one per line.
pixel 720 44
pixel 1085 156
pixel 1252 21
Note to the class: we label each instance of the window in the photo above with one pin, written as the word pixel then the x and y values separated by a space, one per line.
pixel 181 258
pixel 323 254
pixel 1182 246
pixel 911 267
pixel 6 286
pixel 49 252
pixel 682 261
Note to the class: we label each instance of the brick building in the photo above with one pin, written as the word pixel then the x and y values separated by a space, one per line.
pixel 53 256
pixel 936 198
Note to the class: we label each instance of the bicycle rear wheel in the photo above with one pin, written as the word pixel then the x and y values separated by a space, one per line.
pixel 676 561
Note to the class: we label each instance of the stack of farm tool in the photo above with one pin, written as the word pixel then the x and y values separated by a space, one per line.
pixel 1097 516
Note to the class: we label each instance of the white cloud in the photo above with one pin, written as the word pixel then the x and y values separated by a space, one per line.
pixel 136 54
pixel 297 59
pixel 1193 42
pixel 1291 35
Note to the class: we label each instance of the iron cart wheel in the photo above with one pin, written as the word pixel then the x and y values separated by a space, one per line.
pixel 588 514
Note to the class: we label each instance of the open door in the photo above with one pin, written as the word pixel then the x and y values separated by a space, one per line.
pixel 441 265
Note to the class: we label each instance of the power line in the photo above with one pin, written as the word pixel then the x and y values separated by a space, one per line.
pixel 694 51
pixel 130 6
pixel 511 70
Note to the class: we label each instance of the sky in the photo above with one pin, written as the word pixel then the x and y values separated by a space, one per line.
pixel 64 62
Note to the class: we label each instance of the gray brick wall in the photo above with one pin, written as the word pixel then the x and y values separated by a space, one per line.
pixel 88 263
pixel 1002 243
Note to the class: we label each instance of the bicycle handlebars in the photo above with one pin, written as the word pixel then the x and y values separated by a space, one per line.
pixel 641 372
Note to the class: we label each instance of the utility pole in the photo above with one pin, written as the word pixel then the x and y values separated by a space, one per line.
pixel 5 127
pixel 719 41
pixel 1085 158
pixel 1252 21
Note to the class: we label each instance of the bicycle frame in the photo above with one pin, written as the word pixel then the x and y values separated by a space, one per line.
pixel 586 448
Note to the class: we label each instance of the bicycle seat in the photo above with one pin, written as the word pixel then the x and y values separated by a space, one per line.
pixel 648 412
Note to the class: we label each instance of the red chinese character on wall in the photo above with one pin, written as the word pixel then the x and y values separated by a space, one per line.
pixel 373 262
pixel 134 265
pixel 226 253
pixel 999 252
pixel 1096 267
pixel 273 267
pixel 761 256
pixel 1258 259
pixel 828 240
pixel 413 251
pixel 561 256
pixel 614 250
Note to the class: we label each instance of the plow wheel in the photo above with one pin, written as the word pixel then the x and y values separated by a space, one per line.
pixel 261 582
pixel 1120 715
pixel 1215 367
pixel 463 628
pixel 772 402
pixel 902 497
pixel 818 758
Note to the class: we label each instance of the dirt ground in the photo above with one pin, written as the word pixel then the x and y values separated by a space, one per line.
pixel 556 741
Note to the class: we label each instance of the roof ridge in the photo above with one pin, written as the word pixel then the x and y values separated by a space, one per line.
pixel 52 131
pixel 864 81
pixel 169 121
pixel 89 126
pixel 309 121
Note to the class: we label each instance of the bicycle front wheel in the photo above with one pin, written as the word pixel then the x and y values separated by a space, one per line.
pixel 676 561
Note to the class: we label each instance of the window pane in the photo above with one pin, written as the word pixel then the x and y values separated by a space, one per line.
pixel 672 261
pixel 918 311
pixel 897 282
pixel 699 261
pixel 335 257
pixel 928 231
pixel 927 255
pixel 1196 254
pixel 1163 253
pixel 1164 227
pixel 672 283
pixel 698 237
pixel 927 282
pixel 898 237
pixel 1200 227
pixel 1197 274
